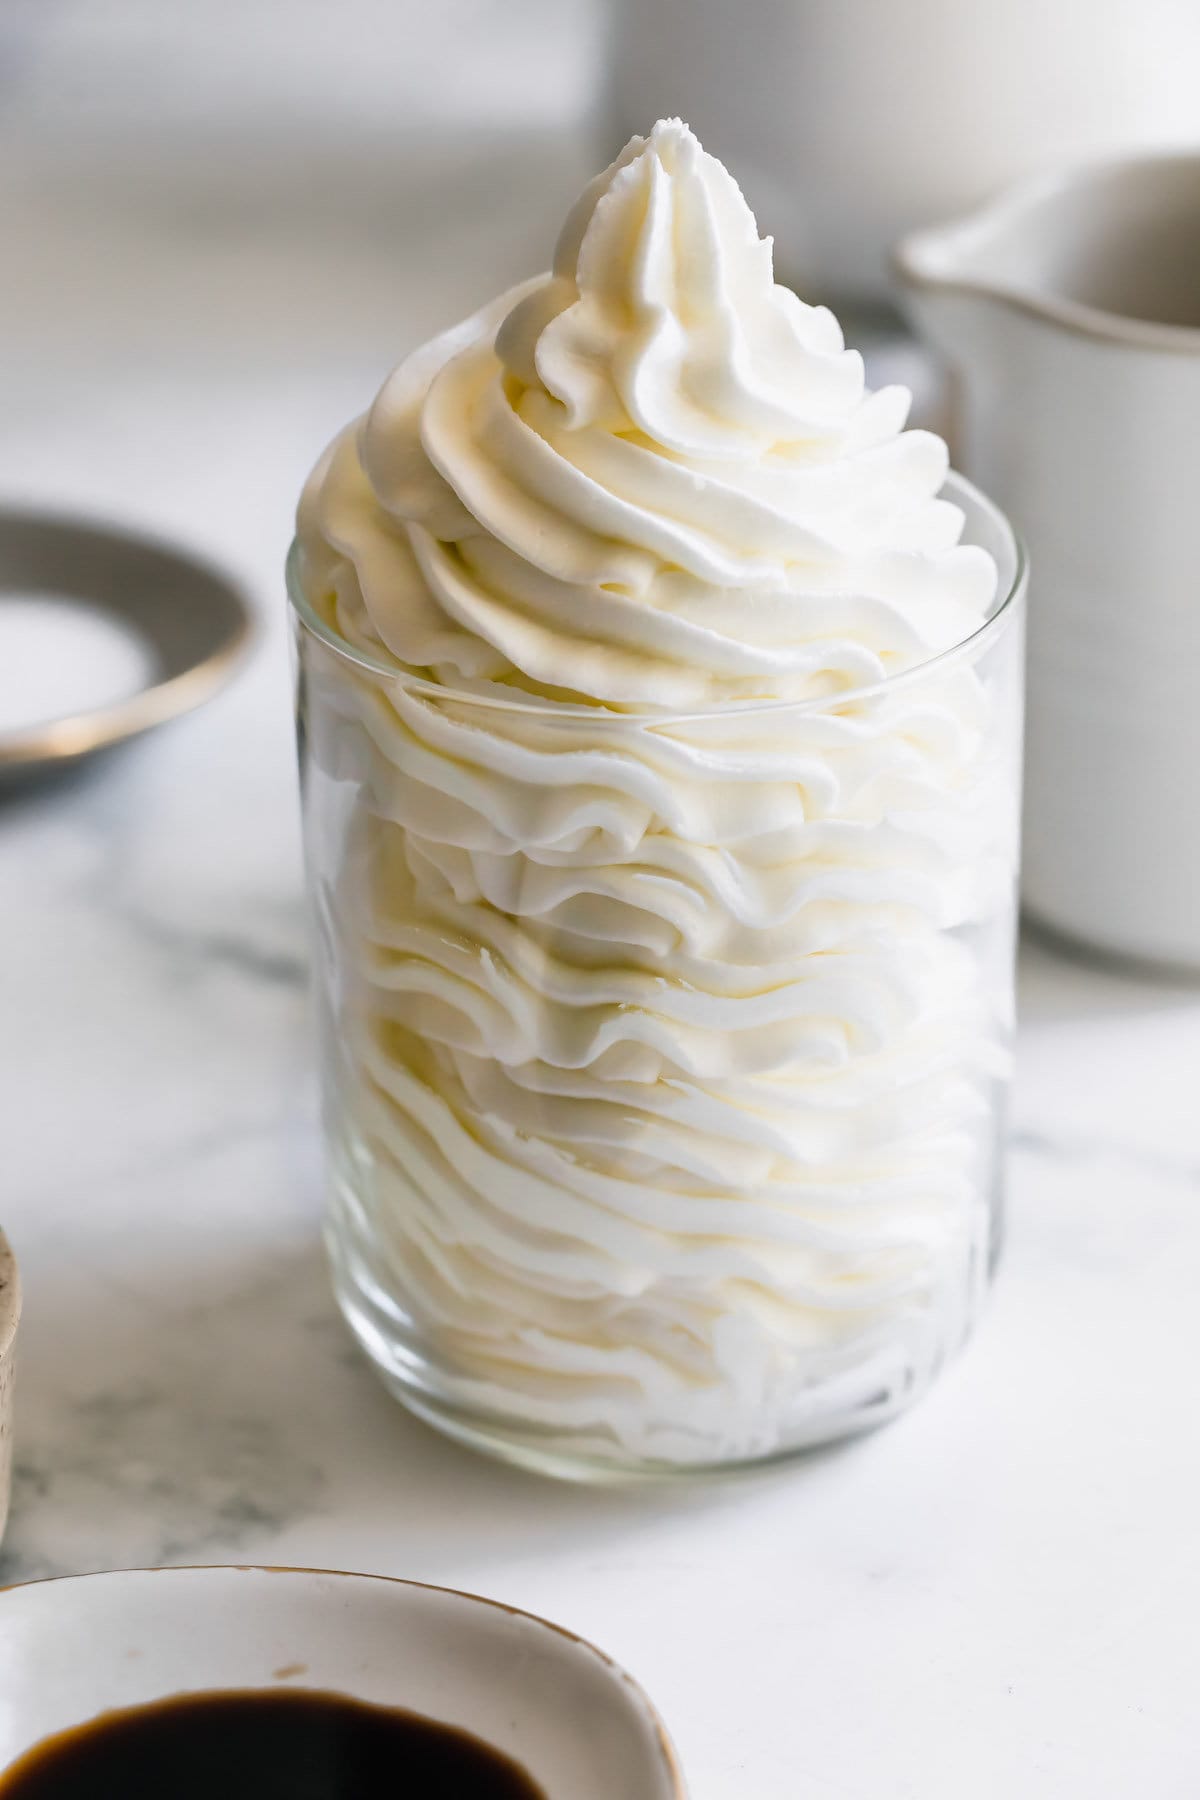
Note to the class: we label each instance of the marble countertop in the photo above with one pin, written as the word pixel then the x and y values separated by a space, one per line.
pixel 994 1596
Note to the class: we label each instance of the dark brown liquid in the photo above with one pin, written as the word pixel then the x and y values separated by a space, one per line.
pixel 265 1746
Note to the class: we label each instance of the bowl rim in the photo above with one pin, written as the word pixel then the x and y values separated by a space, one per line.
pixel 667 1756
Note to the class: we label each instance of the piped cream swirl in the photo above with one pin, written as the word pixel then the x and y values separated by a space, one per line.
pixel 664 1027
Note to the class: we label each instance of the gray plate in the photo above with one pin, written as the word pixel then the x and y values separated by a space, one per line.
pixel 193 620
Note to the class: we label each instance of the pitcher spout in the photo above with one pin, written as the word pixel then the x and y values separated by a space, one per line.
pixel 948 289
pixel 1106 252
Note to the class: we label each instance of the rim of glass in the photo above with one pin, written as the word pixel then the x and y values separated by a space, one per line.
pixel 955 487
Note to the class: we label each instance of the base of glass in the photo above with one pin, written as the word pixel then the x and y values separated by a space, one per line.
pixel 408 1378
pixel 522 1451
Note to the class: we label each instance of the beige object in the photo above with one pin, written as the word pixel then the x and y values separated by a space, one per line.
pixel 567 1713
pixel 10 1313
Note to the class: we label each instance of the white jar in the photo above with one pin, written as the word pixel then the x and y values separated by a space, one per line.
pixel 852 121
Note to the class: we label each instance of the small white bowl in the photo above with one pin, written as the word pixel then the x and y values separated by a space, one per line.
pixel 581 1726
pixel 10 1314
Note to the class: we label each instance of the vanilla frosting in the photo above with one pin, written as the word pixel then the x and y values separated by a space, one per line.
pixel 666 1030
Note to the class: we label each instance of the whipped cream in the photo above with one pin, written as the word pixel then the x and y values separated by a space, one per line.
pixel 668 1019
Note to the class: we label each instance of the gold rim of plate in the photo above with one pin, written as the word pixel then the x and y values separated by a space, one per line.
pixel 191 616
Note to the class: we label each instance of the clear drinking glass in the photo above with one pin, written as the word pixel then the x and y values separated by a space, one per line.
pixel 664 1057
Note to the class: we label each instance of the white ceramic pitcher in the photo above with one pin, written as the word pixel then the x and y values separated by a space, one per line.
pixel 1070 310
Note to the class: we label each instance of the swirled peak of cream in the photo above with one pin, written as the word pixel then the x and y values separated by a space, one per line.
pixel 652 478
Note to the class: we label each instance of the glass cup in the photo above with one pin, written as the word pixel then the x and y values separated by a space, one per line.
pixel 664 1057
